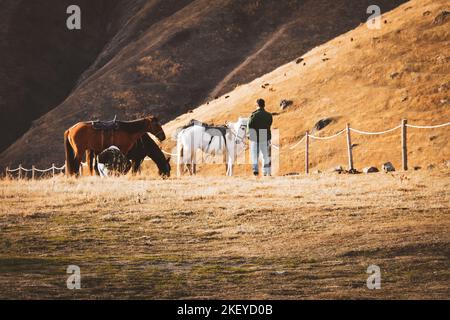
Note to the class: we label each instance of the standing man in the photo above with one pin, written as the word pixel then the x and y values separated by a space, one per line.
pixel 260 136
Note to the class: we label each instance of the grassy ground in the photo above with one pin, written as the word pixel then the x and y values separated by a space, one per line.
pixel 275 238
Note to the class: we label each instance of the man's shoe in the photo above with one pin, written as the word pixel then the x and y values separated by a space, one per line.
pixel 255 173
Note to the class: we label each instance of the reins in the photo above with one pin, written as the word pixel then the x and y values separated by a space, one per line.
pixel 236 136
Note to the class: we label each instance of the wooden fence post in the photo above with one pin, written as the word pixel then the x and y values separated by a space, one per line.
pixel 53 170
pixel 349 149
pixel 20 171
pixel 404 146
pixel 7 172
pixel 307 152
pixel 32 172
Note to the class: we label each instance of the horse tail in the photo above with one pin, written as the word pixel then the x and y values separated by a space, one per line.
pixel 70 155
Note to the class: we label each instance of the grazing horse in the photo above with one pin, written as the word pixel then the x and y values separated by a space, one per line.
pixel 112 161
pixel 94 137
pixel 145 146
pixel 228 141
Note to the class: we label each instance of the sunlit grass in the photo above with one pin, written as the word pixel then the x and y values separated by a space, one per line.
pixel 222 237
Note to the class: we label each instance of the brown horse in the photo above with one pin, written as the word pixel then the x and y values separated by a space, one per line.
pixel 94 137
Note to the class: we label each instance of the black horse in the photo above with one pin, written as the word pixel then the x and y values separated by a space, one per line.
pixel 145 146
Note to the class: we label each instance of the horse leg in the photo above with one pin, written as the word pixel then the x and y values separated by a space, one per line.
pixel 230 169
pixel 96 165
pixel 228 159
pixel 78 160
pixel 231 161
pixel 225 160
pixel 133 167
pixel 139 165
pixel 136 166
pixel 187 160
pixel 189 165
pixel 89 161
pixel 193 163
pixel 92 158
pixel 179 155
pixel 188 168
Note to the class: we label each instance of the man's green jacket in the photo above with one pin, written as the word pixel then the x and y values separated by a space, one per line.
pixel 260 119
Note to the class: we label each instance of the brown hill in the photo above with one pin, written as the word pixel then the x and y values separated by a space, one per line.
pixel 368 78
pixel 40 60
pixel 161 57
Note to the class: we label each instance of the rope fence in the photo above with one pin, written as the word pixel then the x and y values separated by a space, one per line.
pixel 168 153
pixel 329 137
pixel 306 138
pixel 428 127
pixel 403 126
pixel 375 133
pixel 34 171
pixel 348 131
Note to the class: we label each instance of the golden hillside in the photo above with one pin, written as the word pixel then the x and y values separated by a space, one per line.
pixel 139 57
pixel 369 78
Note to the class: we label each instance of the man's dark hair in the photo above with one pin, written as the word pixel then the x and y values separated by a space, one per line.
pixel 261 103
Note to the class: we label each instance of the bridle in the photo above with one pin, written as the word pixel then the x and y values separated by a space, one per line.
pixel 238 139
pixel 160 131
pixel 152 122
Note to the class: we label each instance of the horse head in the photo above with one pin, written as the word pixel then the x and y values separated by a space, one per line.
pixel 155 128
pixel 243 121
pixel 165 171
pixel 240 127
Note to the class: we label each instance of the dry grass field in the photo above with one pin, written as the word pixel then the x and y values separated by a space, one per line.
pixel 276 238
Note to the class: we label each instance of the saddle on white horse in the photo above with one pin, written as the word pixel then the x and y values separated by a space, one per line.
pixel 212 130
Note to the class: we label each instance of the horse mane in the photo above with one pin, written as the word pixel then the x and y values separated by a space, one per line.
pixel 133 126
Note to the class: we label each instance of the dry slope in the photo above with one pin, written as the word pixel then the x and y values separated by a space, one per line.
pixel 368 78
pixel 168 56
pixel 40 60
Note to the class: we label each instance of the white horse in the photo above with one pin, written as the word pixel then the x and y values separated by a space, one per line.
pixel 228 141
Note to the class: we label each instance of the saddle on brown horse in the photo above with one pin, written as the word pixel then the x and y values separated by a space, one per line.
pixel 106 125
